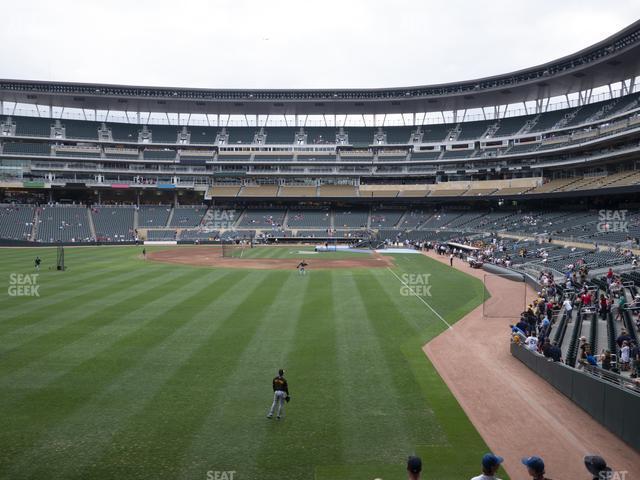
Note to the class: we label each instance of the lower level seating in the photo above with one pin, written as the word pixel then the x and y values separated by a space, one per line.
pixel 16 221
pixel 63 223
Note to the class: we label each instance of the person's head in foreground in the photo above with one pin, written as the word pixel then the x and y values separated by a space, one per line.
pixel 414 467
pixel 535 467
pixel 490 464
pixel 597 467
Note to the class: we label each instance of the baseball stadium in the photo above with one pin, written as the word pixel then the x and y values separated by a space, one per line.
pixel 435 281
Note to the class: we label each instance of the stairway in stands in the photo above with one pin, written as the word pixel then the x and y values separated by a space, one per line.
pixel 170 218
pixel 34 227
pixel 92 227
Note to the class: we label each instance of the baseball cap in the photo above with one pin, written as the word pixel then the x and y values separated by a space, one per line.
pixel 490 460
pixel 414 464
pixel 281 372
pixel 595 464
pixel 534 463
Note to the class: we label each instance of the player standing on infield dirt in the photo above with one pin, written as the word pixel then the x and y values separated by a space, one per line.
pixel 280 395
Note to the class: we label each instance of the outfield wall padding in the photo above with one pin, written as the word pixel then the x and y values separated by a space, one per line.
pixel 610 405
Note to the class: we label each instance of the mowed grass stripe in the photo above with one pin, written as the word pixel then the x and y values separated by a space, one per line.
pixel 141 450
pixel 243 399
pixel 311 433
pixel 390 326
pixel 76 261
pixel 51 336
pixel 82 269
pixel 45 319
pixel 364 381
pixel 97 367
pixel 110 409
pixel 55 292
pixel 452 294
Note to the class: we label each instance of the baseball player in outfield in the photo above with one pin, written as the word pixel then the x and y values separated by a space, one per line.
pixel 301 267
pixel 280 395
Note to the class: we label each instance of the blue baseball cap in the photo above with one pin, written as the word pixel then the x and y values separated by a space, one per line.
pixel 414 464
pixel 534 463
pixel 490 460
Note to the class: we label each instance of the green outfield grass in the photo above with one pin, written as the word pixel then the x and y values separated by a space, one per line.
pixel 290 251
pixel 131 369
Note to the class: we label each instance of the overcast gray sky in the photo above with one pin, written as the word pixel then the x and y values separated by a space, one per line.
pixel 295 44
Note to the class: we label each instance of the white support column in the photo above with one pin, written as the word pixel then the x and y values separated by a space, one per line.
pixel 414 118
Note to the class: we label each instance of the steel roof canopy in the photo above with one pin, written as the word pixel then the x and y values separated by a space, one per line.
pixel 611 60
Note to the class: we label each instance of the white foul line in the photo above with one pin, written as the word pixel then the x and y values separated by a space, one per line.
pixel 420 298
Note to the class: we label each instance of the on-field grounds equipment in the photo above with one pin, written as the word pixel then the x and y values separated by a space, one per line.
pixel 509 298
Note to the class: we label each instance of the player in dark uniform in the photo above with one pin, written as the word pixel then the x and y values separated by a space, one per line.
pixel 301 267
pixel 37 263
pixel 280 395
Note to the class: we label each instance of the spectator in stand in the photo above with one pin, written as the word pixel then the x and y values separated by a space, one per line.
pixel 622 304
pixel 523 325
pixel 603 306
pixel 585 350
pixel 414 467
pixel 568 307
pixel 605 360
pixel 609 276
pixel 556 353
pixel 535 467
pixel 623 337
pixel 546 348
pixel 596 466
pixel 625 356
pixel 490 466
pixel 531 343
pixel 585 298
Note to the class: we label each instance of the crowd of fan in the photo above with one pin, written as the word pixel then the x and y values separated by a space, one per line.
pixel 535 324
pixel 536 469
